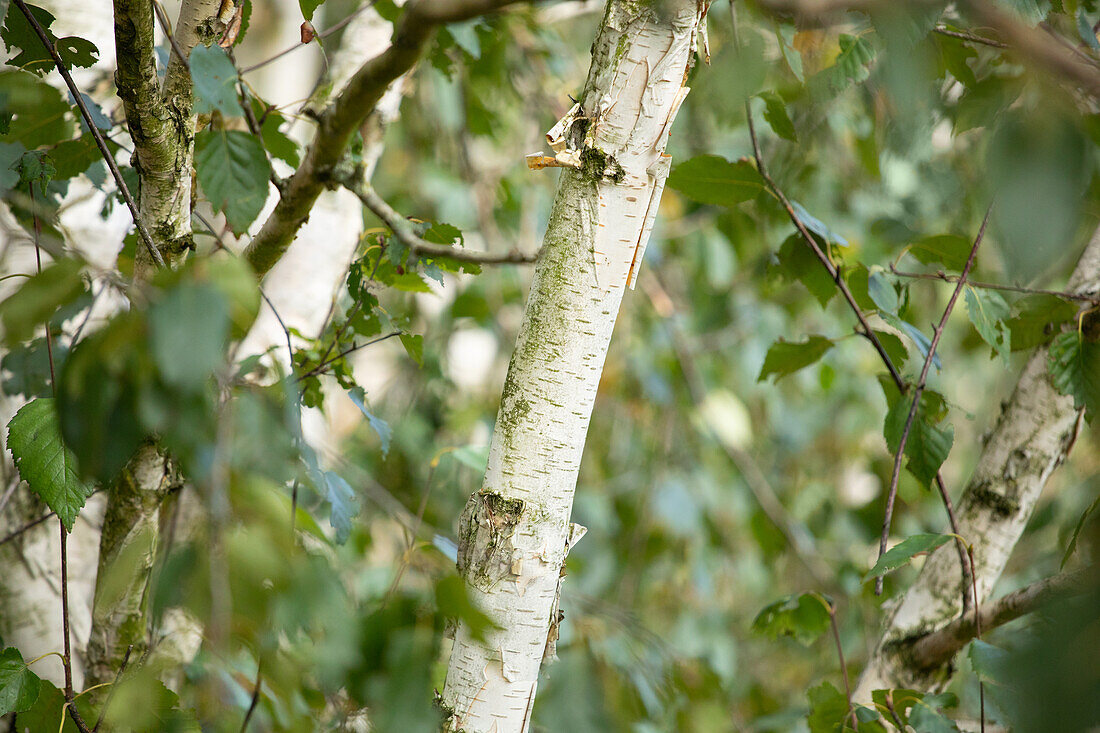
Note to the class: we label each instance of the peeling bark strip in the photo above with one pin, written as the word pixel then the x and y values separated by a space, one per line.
pixel 516 530
pixel 1036 429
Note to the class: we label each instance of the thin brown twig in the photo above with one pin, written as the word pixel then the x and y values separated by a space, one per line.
pixel 29 525
pixel 320 368
pixel 831 607
pixel 865 329
pixel 255 696
pixel 891 495
pixel 977 635
pixel 967 36
pixel 403 230
pixel 323 34
pixel 96 135
pixel 834 272
pixel 165 26
pixel 114 686
pixel 947 277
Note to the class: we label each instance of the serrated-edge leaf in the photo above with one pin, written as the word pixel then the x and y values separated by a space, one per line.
pixel 1074 365
pixel 904 551
pixel 19 686
pixel 233 171
pixel 214 78
pixel 44 461
pixel 987 311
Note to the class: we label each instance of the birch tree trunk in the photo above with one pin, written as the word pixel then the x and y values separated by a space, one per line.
pixel 1036 429
pixel 515 532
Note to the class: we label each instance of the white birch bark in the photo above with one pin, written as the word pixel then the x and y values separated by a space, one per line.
pixel 515 533
pixel 1036 429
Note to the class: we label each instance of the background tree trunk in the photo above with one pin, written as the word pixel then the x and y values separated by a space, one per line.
pixel 1036 429
pixel 515 533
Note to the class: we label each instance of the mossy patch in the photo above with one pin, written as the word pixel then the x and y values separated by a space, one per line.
pixel 596 166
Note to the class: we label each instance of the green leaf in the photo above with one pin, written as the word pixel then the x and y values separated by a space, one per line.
pixel 38 298
pixel 341 497
pixel 104 380
pixel 904 551
pixel 233 171
pixel 894 348
pixel 215 81
pixel 453 600
pixel 851 66
pixel 414 346
pixel 18 685
pixel 787 358
pixel 188 330
pixel 279 144
pixel 775 114
pixel 1074 364
pixel 1084 28
pixel 928 445
pixel 951 250
pixel 817 226
pixel 73 157
pixel 785 34
pixel 1038 319
pixel 922 342
pixel 711 179
pixel 1071 547
pixel 804 617
pixel 989 661
pixel 988 311
pixel 828 710
pixel 309 7
pixel 798 262
pixel 380 426
pixel 44 461
pixel 919 710
pixel 881 289
pixel 41 115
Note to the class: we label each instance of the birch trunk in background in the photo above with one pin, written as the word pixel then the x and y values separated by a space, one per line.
pixel 515 532
pixel 1036 429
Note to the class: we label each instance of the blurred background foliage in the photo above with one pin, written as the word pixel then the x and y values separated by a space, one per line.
pixel 709 492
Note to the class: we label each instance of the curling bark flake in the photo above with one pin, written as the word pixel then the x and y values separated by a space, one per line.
pixel 1035 432
pixel 515 532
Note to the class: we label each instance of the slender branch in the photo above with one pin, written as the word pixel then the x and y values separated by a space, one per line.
pixel 323 34
pixel 834 272
pixel 320 368
pixel 341 119
pixel 166 27
pixel 967 36
pixel 114 686
pixel 255 696
pixel 96 135
pixel 29 525
pixel 893 492
pixel 831 608
pixel 939 647
pixel 946 277
pixel 1036 46
pixel 865 331
pixel 404 231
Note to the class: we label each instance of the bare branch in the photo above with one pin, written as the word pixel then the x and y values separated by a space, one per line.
pixel 341 119
pixel 939 647
pixel 404 231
